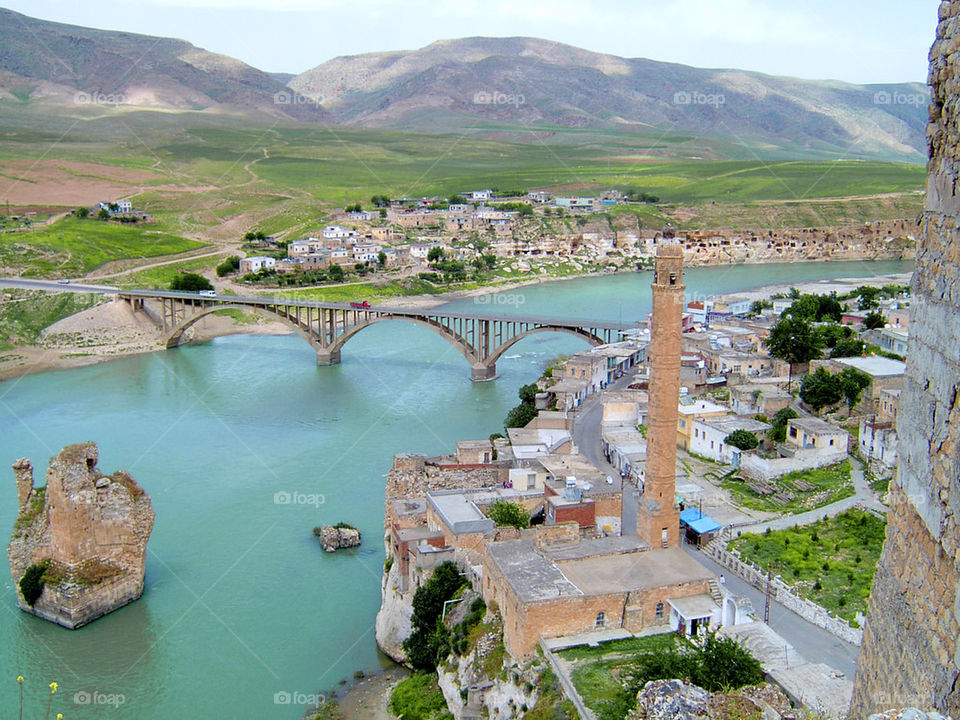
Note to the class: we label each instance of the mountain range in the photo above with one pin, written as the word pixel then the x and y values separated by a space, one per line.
pixel 485 85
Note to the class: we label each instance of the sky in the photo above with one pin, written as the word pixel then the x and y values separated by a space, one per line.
pixel 861 41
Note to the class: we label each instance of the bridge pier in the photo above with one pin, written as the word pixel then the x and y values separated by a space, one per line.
pixel 328 357
pixel 483 373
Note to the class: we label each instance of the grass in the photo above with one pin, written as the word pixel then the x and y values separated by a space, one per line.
pixel 830 562
pixel 633 645
pixel 161 276
pixel 73 247
pixel 551 704
pixel 26 313
pixel 830 484
pixel 418 697
pixel 598 673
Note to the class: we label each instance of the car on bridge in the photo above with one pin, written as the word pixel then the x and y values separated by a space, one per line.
pixel 360 305
pixel 208 293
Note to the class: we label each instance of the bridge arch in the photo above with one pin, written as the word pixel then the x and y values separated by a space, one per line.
pixel 576 332
pixel 175 335
pixel 458 341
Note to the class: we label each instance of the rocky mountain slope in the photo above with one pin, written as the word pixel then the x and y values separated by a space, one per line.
pixel 72 66
pixel 535 82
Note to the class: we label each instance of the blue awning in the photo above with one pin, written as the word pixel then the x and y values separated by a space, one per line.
pixel 698 522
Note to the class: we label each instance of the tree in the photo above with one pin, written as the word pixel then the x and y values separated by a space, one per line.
pixel 511 514
pixel 832 333
pixel 742 439
pixel 335 273
pixel 853 347
pixel 852 383
pixel 457 200
pixel 427 638
pixel 435 254
pixel 868 297
pixel 380 201
pixel 874 320
pixel 381 258
pixel 820 389
pixel 528 393
pixel 778 429
pixel 82 212
pixel 104 214
pixel 795 341
pixel 230 265
pixel 726 664
pixel 191 282
pixel 520 416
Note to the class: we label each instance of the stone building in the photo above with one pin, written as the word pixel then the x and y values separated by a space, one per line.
pixel 910 654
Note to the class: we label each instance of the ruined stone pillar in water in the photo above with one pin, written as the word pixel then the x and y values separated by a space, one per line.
pixel 658 519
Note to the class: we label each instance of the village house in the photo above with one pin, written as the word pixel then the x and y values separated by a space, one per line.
pixel 710 435
pixel 691 410
pixel 813 433
pixel 256 264
pixel 587 366
pixel 885 374
pixel 338 232
pixel 419 251
pixel 894 340
pixel 751 399
pixel 878 441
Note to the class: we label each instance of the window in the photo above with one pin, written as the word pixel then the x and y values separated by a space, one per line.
pixel 659 609
pixel 600 620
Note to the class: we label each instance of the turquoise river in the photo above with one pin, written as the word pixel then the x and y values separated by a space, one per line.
pixel 242 609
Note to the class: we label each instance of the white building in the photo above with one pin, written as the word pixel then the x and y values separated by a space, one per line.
pixel 710 434
pixel 878 441
pixel 338 232
pixel 813 433
pixel 256 263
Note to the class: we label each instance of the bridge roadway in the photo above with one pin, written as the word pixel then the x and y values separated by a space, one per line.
pixel 482 338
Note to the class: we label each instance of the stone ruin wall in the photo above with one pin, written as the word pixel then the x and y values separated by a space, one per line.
pixel 910 654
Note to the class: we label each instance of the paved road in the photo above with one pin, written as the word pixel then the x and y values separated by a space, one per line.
pixel 587 423
pixel 814 643
pixel 53 285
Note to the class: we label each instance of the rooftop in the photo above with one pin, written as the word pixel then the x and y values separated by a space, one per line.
pixel 630 571
pixel 693 406
pixel 731 424
pixel 531 576
pixel 459 512
pixel 875 365
pixel 815 426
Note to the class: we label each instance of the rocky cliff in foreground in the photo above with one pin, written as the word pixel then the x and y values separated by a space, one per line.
pixel 79 544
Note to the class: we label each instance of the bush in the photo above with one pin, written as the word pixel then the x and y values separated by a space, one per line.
pixel 509 513
pixel 31 584
pixel 228 266
pixel 190 282
pixel 742 439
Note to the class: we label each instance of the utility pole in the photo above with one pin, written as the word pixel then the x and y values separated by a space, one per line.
pixel 769 592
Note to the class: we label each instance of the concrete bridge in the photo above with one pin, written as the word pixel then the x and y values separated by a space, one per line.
pixel 481 339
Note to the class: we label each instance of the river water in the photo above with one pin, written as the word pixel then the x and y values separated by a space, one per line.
pixel 244 616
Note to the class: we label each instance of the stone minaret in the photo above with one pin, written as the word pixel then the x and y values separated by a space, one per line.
pixel 658 518
pixel 911 641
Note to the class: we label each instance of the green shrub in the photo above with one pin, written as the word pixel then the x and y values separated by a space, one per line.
pixel 31 584
pixel 508 513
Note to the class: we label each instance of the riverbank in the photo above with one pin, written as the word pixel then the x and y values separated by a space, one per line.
pixel 110 330
pixel 369 699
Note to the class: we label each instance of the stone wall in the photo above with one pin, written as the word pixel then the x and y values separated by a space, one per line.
pixel 910 649
pixel 763 468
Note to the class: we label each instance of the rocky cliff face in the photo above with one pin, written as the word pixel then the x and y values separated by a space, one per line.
pixel 82 538
pixel 911 654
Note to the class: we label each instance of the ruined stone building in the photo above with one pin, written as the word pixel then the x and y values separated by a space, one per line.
pixel 910 654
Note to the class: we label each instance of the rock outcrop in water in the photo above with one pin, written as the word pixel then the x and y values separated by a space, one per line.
pixel 79 544
pixel 335 537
